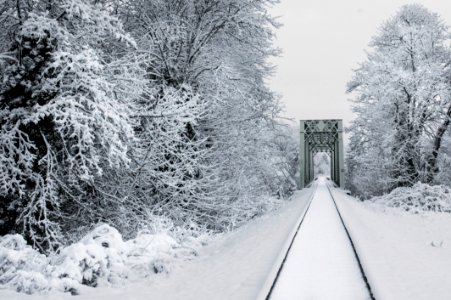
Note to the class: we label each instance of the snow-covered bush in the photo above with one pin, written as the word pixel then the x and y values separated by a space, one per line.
pixel 101 257
pixel 419 198
pixel 151 253
pixel 22 268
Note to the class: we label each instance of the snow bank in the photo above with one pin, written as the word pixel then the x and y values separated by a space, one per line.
pixel 21 267
pixel 100 258
pixel 234 265
pixel 404 255
pixel 419 198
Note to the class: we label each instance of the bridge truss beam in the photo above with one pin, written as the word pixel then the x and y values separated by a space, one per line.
pixel 321 136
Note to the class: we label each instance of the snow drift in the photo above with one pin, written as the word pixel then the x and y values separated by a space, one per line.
pixel 100 258
pixel 417 199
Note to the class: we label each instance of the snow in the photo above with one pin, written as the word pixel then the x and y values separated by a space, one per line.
pixel 20 265
pixel 321 263
pixel 236 266
pixel 100 259
pixel 404 255
pixel 421 198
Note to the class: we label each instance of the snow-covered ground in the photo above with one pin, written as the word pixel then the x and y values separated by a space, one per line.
pixel 321 263
pixel 235 266
pixel 405 255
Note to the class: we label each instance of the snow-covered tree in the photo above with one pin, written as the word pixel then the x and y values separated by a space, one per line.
pixel 64 120
pixel 322 164
pixel 216 50
pixel 166 115
pixel 402 102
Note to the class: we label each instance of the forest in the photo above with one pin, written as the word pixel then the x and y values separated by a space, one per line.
pixel 127 111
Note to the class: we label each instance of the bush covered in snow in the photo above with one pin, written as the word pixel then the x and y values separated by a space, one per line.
pixel 21 267
pixel 101 257
pixel 418 198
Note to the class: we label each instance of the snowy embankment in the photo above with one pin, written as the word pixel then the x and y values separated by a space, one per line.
pixel 405 255
pixel 233 266
pixel 100 258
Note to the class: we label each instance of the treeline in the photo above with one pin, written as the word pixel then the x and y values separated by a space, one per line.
pixel 121 111
pixel 402 101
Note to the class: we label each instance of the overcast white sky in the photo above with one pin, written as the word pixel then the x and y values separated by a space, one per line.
pixel 322 41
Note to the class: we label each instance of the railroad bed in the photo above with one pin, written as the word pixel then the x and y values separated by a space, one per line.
pixel 321 262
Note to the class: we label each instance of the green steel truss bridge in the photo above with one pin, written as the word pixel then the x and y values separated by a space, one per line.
pixel 321 136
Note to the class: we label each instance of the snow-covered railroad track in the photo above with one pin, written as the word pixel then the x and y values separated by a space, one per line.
pixel 362 271
pixel 274 276
pixel 321 261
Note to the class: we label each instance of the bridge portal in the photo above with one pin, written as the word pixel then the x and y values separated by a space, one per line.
pixel 321 136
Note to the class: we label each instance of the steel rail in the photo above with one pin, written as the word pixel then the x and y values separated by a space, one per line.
pixel 362 271
pixel 279 271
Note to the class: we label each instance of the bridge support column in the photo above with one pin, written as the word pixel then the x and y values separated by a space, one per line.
pixel 302 156
pixel 341 158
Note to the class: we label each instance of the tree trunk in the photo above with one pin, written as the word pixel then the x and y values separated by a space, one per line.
pixel 432 168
